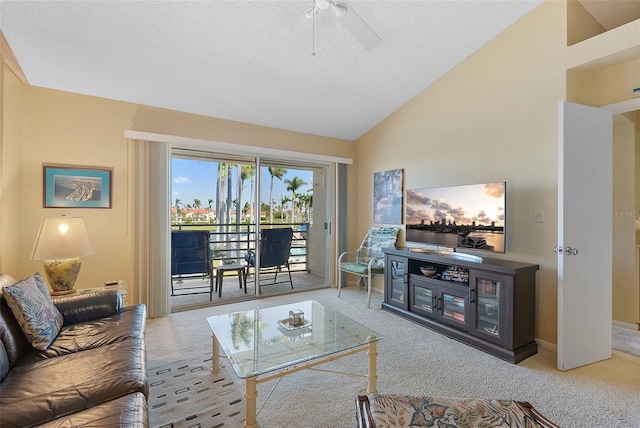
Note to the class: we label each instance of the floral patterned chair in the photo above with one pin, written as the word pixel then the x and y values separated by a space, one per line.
pixel 394 410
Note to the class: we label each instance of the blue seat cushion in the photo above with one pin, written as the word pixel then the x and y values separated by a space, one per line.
pixel 359 268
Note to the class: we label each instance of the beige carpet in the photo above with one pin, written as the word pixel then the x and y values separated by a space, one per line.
pixel 415 360
pixel 626 340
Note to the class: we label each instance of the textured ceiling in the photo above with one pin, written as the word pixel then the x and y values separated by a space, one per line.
pixel 232 59
pixel 612 13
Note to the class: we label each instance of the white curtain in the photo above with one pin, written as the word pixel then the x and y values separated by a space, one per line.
pixel 149 225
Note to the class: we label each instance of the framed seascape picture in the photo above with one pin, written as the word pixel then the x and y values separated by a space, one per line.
pixel 387 197
pixel 67 186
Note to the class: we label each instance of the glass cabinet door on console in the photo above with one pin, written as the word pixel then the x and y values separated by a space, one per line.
pixel 486 306
pixel 452 306
pixel 396 281
pixel 440 291
pixel 423 298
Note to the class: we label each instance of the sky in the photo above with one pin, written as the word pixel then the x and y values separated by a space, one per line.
pixel 192 179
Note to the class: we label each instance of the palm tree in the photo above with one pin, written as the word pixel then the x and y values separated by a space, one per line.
pixel 210 201
pixel 277 173
pixel 220 201
pixel 223 187
pixel 222 194
pixel 241 330
pixel 251 172
pixel 229 199
pixel 293 185
pixel 307 203
pixel 243 174
pixel 196 206
pixel 283 201
pixel 178 202
pixel 218 184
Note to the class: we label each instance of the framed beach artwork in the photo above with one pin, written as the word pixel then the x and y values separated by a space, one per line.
pixel 387 196
pixel 68 186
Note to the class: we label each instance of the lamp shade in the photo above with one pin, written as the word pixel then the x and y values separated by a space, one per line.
pixel 61 238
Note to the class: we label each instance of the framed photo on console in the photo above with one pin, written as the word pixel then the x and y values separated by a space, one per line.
pixel 69 186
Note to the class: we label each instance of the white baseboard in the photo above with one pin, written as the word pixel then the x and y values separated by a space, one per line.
pixel 630 326
pixel 547 345
pixel 554 347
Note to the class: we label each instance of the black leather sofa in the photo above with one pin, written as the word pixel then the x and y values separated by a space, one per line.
pixel 93 374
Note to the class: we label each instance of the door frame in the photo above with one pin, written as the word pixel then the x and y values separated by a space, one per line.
pixel 329 209
pixel 172 141
pixel 628 106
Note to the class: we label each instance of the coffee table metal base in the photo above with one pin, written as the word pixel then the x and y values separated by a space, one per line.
pixel 251 391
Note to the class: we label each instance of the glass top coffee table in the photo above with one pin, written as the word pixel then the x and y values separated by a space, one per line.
pixel 263 344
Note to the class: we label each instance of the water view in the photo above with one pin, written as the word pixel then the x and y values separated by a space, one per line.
pixel 493 239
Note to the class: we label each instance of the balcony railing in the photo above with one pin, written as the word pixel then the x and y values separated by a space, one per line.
pixel 230 242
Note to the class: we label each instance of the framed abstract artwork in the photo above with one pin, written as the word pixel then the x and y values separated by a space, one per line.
pixel 387 196
pixel 68 186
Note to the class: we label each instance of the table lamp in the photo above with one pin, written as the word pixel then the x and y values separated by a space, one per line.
pixel 61 241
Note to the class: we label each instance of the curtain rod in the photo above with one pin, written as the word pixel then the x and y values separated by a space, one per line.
pixel 185 142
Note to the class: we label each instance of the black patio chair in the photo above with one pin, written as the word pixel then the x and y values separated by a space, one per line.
pixel 191 255
pixel 275 248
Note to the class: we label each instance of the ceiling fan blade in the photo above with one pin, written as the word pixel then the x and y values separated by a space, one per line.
pixel 302 30
pixel 358 28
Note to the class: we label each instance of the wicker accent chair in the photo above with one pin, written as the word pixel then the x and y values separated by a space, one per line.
pixel 368 259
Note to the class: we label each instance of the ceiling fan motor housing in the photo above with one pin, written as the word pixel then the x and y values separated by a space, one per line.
pixel 323 4
pixel 346 16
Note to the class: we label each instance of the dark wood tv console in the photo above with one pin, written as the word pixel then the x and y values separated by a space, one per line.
pixel 489 305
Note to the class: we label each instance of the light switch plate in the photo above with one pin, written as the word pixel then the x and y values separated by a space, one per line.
pixel 538 215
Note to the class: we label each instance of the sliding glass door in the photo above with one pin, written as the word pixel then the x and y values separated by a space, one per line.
pixel 233 199
pixel 293 195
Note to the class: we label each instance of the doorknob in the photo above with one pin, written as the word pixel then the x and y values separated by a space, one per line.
pixel 568 251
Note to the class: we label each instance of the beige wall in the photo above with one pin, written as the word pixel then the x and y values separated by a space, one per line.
pixel 64 128
pixel 637 180
pixel 67 128
pixel 637 199
pixel 11 174
pixel 580 24
pixel 609 85
pixel 626 293
pixel 492 118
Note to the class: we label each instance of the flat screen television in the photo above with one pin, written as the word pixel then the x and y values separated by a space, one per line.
pixel 462 217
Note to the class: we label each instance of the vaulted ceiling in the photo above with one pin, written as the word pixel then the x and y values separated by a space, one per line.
pixel 237 60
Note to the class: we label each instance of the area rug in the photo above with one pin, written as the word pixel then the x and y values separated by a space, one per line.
pixel 186 394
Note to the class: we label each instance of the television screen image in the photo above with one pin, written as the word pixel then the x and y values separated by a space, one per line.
pixel 465 217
